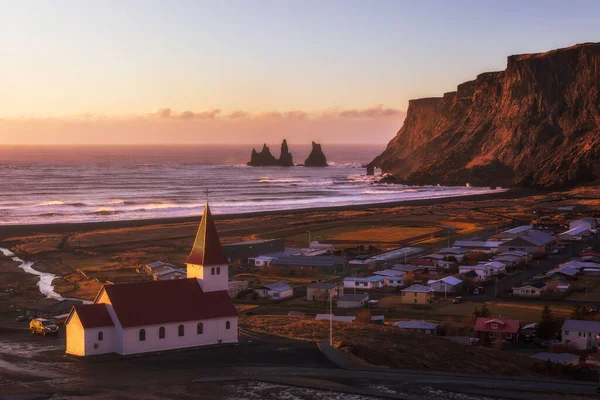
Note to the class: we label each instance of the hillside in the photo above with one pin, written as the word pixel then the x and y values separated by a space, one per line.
pixel 535 124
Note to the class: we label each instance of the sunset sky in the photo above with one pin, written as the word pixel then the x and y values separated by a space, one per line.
pixel 253 71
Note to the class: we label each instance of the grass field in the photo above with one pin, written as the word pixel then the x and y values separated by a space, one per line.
pixel 589 289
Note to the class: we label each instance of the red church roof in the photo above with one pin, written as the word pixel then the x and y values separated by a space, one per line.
pixel 93 315
pixel 207 248
pixel 503 325
pixel 163 302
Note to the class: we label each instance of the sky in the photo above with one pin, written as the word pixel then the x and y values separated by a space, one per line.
pixel 81 71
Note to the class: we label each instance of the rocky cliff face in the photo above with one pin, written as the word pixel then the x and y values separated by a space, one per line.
pixel 535 124
pixel 316 158
pixel 266 159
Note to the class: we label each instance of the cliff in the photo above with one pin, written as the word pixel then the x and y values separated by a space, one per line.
pixel 316 158
pixel 265 158
pixel 535 124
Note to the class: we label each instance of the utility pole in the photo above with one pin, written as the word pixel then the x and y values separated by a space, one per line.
pixel 445 290
pixel 331 319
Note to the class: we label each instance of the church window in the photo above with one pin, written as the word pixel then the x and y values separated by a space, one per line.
pixel 228 325
pixel 181 330
pixel 100 336
pixel 161 332
pixel 212 271
pixel 218 270
pixel 200 328
pixel 142 335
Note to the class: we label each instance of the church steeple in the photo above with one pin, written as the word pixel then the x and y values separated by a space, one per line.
pixel 207 248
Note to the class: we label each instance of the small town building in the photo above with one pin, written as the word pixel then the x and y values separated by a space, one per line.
pixel 155 266
pixel 509 261
pixel 483 271
pixel 275 291
pixel 353 300
pixel 475 245
pixel 457 252
pixel 558 358
pixel 368 282
pixel 425 263
pixel 264 260
pixel 583 335
pixel 393 278
pixel 588 223
pixel 242 251
pixel 515 232
pixel 407 268
pixel 533 242
pixel 316 249
pixel 168 273
pixel 151 316
pixel 535 289
pixel 325 264
pixel 448 284
pixel 428 328
pixel 441 261
pixel 236 287
pixel 417 294
pixel 574 234
pixel 489 330
pixel 321 291
pixel 522 255
pixel 495 266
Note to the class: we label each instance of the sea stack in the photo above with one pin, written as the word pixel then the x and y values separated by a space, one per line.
pixel 266 159
pixel 316 158
pixel 285 158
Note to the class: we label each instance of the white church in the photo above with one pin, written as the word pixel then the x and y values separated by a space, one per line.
pixel 151 316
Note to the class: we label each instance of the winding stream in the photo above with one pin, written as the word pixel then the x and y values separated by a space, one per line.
pixel 45 283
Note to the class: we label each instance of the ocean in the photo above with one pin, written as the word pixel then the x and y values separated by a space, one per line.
pixel 51 184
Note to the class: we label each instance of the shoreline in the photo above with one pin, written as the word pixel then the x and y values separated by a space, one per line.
pixel 7 231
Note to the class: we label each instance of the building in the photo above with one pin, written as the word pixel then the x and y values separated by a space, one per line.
pixel 321 291
pixel 353 300
pixel 456 252
pixel 475 245
pixel 424 263
pixel 558 358
pixel 483 271
pixel 448 284
pixel 316 249
pixel 403 254
pixel 488 330
pixel 264 260
pixel 275 291
pixel 583 335
pixel 415 269
pixel 441 261
pixel 588 223
pixel 417 294
pixel 495 266
pixel 235 287
pixel 522 255
pixel 326 264
pixel 168 273
pixel 508 260
pixel 533 242
pixel 157 266
pixel 242 251
pixel 535 289
pixel 428 328
pixel 143 317
pixel 515 232
pixel 366 283
pixel 393 278
pixel 574 234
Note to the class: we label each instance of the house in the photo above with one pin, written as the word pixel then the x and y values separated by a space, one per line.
pixel 369 282
pixel 325 264
pixel 483 271
pixel 157 266
pixel 264 260
pixel 532 242
pixel 522 255
pixel 488 330
pixel 353 300
pixel 427 264
pixel 558 282
pixel 515 232
pixel 448 284
pixel 583 335
pixel 417 294
pixel 407 268
pixel 316 249
pixel 132 318
pixel 471 276
pixel 275 291
pixel 509 261
pixel 440 261
pixel 574 234
pixel 535 289
pixel 168 273
pixel 428 328
pixel 324 291
pixel 456 252
pixel 393 278
pixel 242 251
pixel 588 223
pixel 558 358
pixel 235 287
pixel 475 245
pixel 397 255
pixel 496 267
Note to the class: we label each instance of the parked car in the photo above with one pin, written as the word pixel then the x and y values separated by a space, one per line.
pixel 548 343
pixel 476 291
pixel 22 318
pixel 457 300
pixel 43 327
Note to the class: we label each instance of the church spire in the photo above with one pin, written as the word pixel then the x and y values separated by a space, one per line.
pixel 207 248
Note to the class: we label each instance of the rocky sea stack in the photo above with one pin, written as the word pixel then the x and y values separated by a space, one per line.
pixel 266 159
pixel 535 124
pixel 316 158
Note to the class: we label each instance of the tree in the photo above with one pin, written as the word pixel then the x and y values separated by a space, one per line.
pixel 545 326
pixel 363 316
pixel 484 311
pixel 579 312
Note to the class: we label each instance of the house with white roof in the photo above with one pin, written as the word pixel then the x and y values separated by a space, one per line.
pixel 428 328
pixel 440 261
pixel 588 223
pixel 368 282
pixel 581 334
pixel 457 252
pixel 523 256
pixel 154 266
pixel 533 242
pixel 497 267
pixel 417 294
pixel 535 289
pixel 393 278
pixel 275 291
pixel 448 284
pixel 509 261
pixel 483 271
pixel 574 234
pixel 141 317
pixel 515 232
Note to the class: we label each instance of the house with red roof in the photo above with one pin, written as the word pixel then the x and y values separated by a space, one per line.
pixel 143 317
pixel 489 330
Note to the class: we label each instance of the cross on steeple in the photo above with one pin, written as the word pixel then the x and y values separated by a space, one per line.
pixel 207 192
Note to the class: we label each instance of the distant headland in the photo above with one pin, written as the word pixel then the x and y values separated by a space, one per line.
pixel 264 158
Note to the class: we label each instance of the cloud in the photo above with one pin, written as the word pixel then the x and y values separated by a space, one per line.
pixel 168 113
pixel 377 111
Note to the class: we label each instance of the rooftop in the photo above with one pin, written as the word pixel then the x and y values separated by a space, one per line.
pixel 354 297
pixel 374 278
pixel 323 285
pixel 580 325
pixel 309 261
pixel 418 289
pixel 92 315
pixel 518 229
pixel 578 230
pixel 503 325
pixel 278 286
pixel 207 248
pixel 479 244
pixel 415 325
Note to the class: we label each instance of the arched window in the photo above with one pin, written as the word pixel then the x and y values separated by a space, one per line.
pixel 218 270
pixel 227 325
pixel 142 335
pixel 100 336
pixel 200 328
pixel 212 271
pixel 181 330
pixel 161 332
